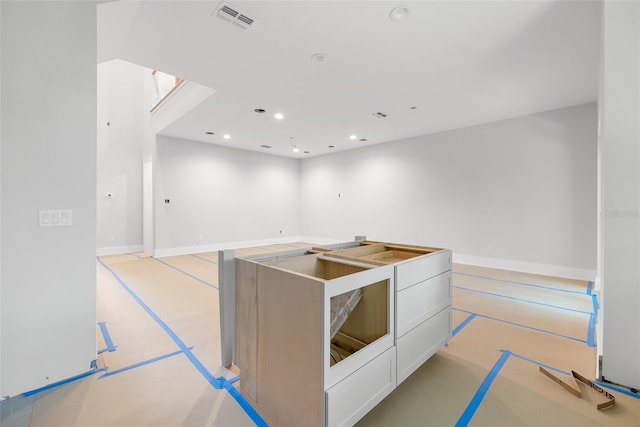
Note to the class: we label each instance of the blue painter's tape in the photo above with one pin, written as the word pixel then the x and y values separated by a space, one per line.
pixel 145 362
pixel 198 365
pixel 535 362
pixel 473 406
pixel 618 389
pixel 253 414
pixel 591 331
pixel 523 326
pixel 204 259
pixel 63 382
pixel 187 274
pixel 217 383
pixel 558 307
pixel 107 338
pixel 233 380
pixel 590 288
pixel 602 384
pixel 463 324
pixel 521 283
pixel 94 364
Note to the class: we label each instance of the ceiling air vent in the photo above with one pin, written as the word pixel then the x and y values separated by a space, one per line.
pixel 232 15
pixel 227 13
pixel 380 115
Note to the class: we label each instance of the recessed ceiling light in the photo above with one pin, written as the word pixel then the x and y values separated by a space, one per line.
pixel 413 108
pixel 209 133
pixel 331 146
pixel 399 13
pixel 266 146
pixel 278 116
pixel 353 137
pixel 296 149
pixel 363 139
pixel 260 110
pixel 227 136
pixel 318 58
pixel 307 152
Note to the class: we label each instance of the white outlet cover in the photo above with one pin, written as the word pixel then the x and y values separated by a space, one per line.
pixel 55 217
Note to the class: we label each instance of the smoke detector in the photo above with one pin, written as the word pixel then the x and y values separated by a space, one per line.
pixel 233 15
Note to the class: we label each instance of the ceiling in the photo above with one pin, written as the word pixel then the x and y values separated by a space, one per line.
pixel 447 64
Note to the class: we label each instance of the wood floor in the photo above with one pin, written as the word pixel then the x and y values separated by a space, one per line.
pixel 159 356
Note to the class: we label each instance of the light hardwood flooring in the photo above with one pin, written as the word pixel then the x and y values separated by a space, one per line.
pixel 159 360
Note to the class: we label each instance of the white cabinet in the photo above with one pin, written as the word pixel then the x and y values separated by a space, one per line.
pixel 290 362
pixel 354 396
pixel 419 344
pixel 418 303
pixel 422 297
pixel 323 335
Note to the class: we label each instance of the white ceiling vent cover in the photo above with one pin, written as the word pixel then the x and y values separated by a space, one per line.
pixel 234 16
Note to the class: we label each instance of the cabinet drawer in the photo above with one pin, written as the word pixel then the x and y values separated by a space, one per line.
pixel 351 399
pixel 419 344
pixel 424 267
pixel 419 302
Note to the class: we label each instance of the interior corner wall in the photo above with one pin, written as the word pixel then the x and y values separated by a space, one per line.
pixel 521 190
pixel 219 196
pixel 119 157
pixel 619 145
pixel 48 154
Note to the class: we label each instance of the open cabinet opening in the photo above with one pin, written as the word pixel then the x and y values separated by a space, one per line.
pixel 358 318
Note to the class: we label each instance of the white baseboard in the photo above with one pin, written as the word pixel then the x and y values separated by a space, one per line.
pixel 597 283
pixel 526 267
pixel 185 250
pixel 114 250
pixel 502 264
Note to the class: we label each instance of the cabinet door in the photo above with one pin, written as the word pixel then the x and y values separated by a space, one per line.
pixel 353 397
pixel 422 342
pixel 419 302
pixel 424 267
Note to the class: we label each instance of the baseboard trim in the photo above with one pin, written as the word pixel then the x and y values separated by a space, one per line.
pixel 526 267
pixel 596 284
pixel 502 264
pixel 115 250
pixel 185 250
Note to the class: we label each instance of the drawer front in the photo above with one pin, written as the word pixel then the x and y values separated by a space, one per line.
pixel 418 345
pixel 419 302
pixel 353 397
pixel 421 268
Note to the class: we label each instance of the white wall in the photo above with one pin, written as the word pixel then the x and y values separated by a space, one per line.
pixel 619 145
pixel 1 238
pixel 119 152
pixel 515 193
pixel 220 196
pixel 48 278
pixel 186 97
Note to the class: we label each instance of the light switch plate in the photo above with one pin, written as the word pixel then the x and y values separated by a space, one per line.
pixel 55 217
